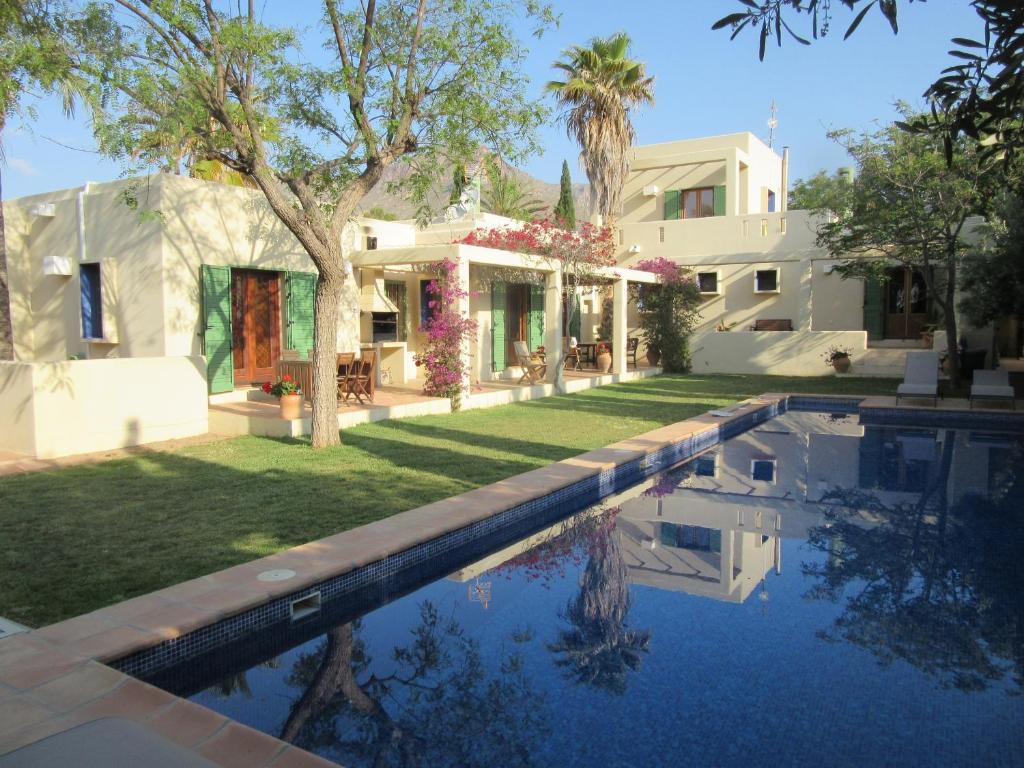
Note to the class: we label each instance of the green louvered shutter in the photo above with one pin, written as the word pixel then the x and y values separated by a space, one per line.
pixel 299 308
pixel 671 203
pixel 577 320
pixel 719 201
pixel 499 292
pixel 536 318
pixel 220 369
pixel 874 302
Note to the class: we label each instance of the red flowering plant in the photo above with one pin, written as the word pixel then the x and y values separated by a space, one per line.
pixel 583 256
pixel 448 333
pixel 286 385
pixel 669 311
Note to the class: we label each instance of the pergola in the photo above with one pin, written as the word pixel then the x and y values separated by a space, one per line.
pixel 466 255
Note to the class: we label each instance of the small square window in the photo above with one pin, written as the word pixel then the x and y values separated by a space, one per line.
pixel 763 470
pixel 707 282
pixel 371 243
pixel 706 466
pixel 766 281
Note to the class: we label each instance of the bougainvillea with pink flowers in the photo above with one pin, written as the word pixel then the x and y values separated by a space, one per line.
pixel 585 255
pixel 448 333
pixel 669 311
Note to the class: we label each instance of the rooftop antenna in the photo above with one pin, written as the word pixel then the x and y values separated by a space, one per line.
pixel 772 122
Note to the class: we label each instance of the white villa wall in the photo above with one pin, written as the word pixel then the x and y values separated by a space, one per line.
pixel 46 309
pixel 777 353
pixel 83 406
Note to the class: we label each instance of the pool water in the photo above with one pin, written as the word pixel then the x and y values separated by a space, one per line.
pixel 811 592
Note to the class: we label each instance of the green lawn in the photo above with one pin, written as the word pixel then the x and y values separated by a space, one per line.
pixel 79 538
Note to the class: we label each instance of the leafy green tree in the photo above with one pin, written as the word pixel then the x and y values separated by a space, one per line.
pixel 907 205
pixel 33 55
pixel 981 95
pixel 380 213
pixel 422 83
pixel 821 192
pixel 565 208
pixel 459 182
pixel 993 275
pixel 601 85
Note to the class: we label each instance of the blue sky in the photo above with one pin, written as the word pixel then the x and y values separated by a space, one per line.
pixel 705 84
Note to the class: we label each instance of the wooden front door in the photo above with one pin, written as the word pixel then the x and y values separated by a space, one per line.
pixel 256 324
pixel 906 310
pixel 516 318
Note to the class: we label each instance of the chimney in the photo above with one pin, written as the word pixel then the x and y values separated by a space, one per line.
pixel 784 203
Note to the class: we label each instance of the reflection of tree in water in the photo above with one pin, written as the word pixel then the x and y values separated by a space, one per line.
pixel 599 649
pixel 437 707
pixel 936 585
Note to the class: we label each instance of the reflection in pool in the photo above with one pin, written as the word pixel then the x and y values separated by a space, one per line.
pixel 810 592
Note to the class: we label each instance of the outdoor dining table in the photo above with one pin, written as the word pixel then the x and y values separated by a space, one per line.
pixel 588 350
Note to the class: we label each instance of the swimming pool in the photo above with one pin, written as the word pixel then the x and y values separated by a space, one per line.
pixel 812 591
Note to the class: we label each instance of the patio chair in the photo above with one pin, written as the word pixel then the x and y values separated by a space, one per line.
pixel 360 382
pixel 920 377
pixel 572 354
pixel 632 345
pixel 992 385
pixel 346 368
pixel 533 365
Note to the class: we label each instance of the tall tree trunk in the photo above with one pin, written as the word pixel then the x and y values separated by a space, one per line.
pixel 6 323
pixel 329 289
pixel 952 342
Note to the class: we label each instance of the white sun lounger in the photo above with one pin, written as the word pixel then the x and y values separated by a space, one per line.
pixel 992 385
pixel 921 377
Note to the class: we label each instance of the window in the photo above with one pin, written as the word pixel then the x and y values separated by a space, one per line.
pixel 395 290
pixel 763 470
pixel 707 466
pixel 707 282
pixel 371 242
pixel 92 301
pixel 426 311
pixel 698 203
pixel 766 281
pixel 692 537
pixel 771 201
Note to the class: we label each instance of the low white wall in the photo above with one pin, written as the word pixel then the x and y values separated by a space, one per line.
pixel 81 406
pixel 17 418
pixel 779 353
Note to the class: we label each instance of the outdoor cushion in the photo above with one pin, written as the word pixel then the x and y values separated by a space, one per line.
pixel 916 389
pixel 985 390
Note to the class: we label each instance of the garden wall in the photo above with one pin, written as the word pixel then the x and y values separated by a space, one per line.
pixel 778 353
pixel 63 408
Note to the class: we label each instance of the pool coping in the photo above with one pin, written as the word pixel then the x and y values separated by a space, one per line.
pixel 56 677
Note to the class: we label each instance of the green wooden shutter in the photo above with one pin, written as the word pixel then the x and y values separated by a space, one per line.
pixel 220 369
pixel 671 203
pixel 299 309
pixel 577 320
pixel 499 292
pixel 874 306
pixel 536 318
pixel 719 201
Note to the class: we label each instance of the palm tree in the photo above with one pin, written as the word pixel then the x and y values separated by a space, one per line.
pixel 600 649
pixel 507 196
pixel 602 84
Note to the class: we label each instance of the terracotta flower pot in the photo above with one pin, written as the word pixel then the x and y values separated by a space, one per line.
pixel 841 364
pixel 604 361
pixel 291 406
pixel 653 356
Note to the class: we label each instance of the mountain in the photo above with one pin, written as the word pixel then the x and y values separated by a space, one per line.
pixel 399 205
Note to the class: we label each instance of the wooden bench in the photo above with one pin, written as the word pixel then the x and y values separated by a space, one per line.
pixel 772 325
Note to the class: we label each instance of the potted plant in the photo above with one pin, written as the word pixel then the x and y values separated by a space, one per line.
pixel 928 336
pixel 604 357
pixel 838 358
pixel 653 354
pixel 289 393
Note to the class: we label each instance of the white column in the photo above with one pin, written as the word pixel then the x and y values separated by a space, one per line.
pixel 732 183
pixel 553 321
pixel 726 578
pixel 462 274
pixel 620 311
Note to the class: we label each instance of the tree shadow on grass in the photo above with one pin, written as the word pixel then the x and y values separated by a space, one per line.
pixel 77 539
